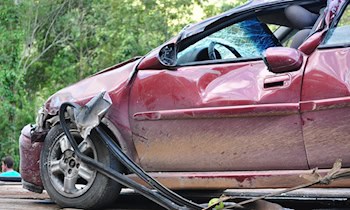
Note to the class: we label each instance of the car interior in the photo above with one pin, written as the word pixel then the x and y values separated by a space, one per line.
pixel 290 26
pixel 296 23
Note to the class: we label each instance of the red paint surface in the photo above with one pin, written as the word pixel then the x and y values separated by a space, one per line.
pixel 217 117
pixel 325 105
pixel 283 59
pixel 30 155
pixel 247 179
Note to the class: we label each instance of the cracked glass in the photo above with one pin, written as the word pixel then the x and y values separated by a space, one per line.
pixel 245 39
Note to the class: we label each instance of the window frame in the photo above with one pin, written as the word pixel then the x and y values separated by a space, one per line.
pixel 334 24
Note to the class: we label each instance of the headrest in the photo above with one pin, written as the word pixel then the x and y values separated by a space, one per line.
pixel 300 17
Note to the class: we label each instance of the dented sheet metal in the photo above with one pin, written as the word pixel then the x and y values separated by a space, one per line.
pixel 30 155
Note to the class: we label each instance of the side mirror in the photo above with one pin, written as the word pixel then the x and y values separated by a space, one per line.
pixel 159 58
pixel 283 59
pixel 167 55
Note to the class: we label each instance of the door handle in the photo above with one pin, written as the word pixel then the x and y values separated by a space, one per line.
pixel 277 81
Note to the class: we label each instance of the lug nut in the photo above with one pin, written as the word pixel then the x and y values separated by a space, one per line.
pixel 72 163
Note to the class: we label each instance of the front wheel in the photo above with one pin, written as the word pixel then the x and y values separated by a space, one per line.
pixel 69 181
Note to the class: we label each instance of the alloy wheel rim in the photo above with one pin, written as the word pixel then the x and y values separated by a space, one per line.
pixel 67 173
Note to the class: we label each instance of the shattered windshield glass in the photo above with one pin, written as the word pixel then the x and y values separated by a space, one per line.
pixel 246 39
pixel 253 37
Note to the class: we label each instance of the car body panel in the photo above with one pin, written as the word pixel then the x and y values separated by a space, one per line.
pixel 191 106
pixel 325 107
pixel 325 100
pixel 240 179
pixel 111 80
pixel 30 156
pixel 117 84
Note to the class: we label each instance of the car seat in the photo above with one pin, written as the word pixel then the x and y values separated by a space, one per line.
pixel 301 19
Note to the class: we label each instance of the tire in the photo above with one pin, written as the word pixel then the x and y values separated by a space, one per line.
pixel 68 181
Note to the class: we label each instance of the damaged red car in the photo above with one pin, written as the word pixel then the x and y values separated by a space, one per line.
pixel 252 98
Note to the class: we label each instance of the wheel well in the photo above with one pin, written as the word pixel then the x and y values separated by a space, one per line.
pixel 115 139
pixel 107 126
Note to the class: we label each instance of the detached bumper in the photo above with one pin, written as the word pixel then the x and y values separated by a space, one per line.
pixel 29 164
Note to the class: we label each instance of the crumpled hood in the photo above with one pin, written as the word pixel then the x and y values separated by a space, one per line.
pixel 110 80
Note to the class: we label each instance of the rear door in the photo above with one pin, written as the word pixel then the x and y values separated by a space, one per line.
pixel 325 102
pixel 220 109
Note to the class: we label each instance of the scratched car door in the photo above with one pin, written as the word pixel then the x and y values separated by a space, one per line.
pixel 220 108
pixel 326 96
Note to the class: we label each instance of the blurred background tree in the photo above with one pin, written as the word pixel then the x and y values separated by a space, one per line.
pixel 46 45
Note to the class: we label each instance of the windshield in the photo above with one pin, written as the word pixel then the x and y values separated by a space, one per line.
pixel 246 39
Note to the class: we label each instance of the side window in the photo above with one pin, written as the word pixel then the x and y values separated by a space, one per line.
pixel 340 34
pixel 245 39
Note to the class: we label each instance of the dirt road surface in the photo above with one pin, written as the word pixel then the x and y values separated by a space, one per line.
pixel 14 197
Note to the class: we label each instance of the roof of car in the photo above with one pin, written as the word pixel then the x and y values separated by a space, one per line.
pixel 252 4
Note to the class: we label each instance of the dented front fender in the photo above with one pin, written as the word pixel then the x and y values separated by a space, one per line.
pixel 29 164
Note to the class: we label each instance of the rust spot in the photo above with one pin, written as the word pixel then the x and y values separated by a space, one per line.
pixel 239 178
pixel 243 178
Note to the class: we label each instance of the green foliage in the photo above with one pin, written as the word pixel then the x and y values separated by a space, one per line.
pixel 11 113
pixel 46 45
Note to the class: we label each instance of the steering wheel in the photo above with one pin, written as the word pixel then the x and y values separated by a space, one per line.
pixel 212 52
